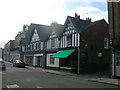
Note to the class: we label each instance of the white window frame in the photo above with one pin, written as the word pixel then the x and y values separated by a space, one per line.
pixel 106 43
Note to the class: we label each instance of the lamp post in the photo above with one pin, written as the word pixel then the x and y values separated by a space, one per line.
pixel 100 58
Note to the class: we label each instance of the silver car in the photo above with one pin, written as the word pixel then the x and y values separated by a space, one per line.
pixel 2 65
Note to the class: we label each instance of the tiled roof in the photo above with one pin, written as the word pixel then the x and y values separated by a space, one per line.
pixel 79 24
pixel 58 29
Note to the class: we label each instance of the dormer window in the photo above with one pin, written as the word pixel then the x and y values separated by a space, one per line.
pixel 35 36
pixel 52 43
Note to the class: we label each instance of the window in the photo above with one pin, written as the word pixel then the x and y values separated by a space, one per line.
pixel 36 46
pixel 69 40
pixel 83 38
pixel 52 43
pixel 32 46
pixel 106 43
pixel 71 26
pixel 39 45
pixel 83 54
pixel 52 61
pixel 118 58
pixel 28 47
pixel 44 45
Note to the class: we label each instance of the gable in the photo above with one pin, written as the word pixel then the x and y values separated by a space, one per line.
pixel 35 36
pixel 78 25
pixel 69 27
pixel 52 34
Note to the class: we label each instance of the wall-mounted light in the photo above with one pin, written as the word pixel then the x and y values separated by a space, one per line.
pixel 86 45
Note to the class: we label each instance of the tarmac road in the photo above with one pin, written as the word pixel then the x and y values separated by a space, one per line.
pixel 15 77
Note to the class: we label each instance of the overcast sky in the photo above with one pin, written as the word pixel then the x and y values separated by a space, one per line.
pixel 15 13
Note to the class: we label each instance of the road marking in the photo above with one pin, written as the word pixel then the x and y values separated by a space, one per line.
pixel 39 87
pixel 13 86
pixel 2 72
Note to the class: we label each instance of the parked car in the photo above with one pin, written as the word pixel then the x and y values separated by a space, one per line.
pixel 18 63
pixel 2 65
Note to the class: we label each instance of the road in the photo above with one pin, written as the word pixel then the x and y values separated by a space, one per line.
pixel 15 77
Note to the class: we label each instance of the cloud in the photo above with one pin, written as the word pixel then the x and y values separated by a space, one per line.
pixel 84 12
pixel 15 13
pixel 113 0
pixel 90 0
pixel 84 0
pixel 2 44
pixel 92 12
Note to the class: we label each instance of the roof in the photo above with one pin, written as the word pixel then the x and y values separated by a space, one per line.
pixel 28 35
pixel 58 29
pixel 98 22
pixel 79 24
pixel 43 31
pixel 24 41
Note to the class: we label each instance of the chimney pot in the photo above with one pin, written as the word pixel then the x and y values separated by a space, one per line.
pixel 90 19
pixel 77 16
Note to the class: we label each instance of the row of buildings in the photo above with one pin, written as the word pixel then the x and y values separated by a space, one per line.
pixel 78 45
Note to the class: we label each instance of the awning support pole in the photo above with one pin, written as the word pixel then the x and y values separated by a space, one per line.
pixel 59 64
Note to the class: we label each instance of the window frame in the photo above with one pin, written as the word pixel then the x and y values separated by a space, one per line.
pixel 52 60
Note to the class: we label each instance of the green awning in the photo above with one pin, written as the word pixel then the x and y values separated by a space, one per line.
pixel 63 53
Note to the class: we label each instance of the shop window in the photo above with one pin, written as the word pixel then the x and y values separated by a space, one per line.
pixel 118 58
pixel 52 61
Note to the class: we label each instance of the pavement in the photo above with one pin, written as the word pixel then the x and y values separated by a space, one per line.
pixel 104 78
pixel 95 77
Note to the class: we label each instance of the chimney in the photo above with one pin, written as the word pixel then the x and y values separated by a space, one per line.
pixel 88 19
pixel 77 16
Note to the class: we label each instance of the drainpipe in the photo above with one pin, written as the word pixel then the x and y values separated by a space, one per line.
pixel 113 40
pixel 79 54
pixel 78 60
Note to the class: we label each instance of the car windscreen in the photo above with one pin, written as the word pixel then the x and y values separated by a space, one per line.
pixel 18 61
pixel 1 62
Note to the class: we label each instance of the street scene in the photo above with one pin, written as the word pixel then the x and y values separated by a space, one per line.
pixel 38 78
pixel 60 44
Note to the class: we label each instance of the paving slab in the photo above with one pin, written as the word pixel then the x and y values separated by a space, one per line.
pixel 106 81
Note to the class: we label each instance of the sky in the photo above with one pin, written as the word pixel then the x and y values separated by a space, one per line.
pixel 15 13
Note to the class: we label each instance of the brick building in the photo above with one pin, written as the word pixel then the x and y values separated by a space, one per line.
pixel 114 31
